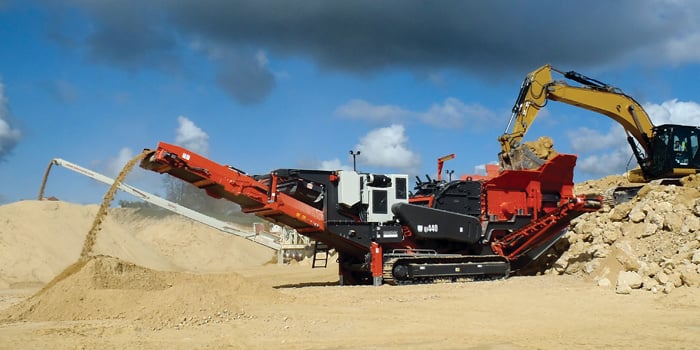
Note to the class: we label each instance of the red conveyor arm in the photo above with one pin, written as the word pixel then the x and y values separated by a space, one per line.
pixel 516 244
pixel 222 181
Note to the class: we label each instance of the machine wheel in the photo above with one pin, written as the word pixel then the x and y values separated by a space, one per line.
pixel 400 272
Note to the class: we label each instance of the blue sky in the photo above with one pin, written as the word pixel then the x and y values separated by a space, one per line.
pixel 263 85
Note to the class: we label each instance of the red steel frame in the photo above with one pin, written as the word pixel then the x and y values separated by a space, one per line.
pixel 266 202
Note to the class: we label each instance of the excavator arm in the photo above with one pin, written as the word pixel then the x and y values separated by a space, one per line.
pixel 539 87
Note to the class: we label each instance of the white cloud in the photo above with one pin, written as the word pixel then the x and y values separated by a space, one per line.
pixel 589 140
pixel 481 168
pixel 188 135
pixel 386 147
pixel 334 164
pixel 674 112
pixel 683 49
pixel 115 164
pixel 601 154
pixel 362 110
pixel 615 162
pixel 261 59
pixel 451 113
pixel 9 136
pixel 191 136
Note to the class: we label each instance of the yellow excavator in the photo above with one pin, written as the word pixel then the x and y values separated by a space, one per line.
pixel 666 151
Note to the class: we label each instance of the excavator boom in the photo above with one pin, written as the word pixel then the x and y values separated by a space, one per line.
pixel 650 144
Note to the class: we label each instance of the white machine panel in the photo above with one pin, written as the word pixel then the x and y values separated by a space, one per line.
pixel 348 187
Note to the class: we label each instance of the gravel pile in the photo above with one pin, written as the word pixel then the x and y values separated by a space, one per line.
pixel 650 243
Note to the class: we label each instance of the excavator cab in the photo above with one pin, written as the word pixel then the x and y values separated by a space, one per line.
pixel 674 148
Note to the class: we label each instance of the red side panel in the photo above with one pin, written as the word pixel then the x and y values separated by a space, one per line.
pixel 528 191
pixel 546 194
pixel 511 193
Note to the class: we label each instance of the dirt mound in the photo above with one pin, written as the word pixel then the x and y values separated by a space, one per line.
pixel 103 288
pixel 38 239
pixel 139 281
pixel 649 243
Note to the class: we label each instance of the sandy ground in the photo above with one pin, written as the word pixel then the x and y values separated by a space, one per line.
pixel 171 283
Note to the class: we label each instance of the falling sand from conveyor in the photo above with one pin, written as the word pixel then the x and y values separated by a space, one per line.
pixel 101 287
pixel 91 238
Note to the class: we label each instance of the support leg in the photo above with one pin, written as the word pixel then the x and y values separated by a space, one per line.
pixel 376 265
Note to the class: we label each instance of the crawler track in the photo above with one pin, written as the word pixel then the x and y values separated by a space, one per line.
pixel 443 268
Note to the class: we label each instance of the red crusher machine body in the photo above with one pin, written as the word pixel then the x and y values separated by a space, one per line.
pixel 443 231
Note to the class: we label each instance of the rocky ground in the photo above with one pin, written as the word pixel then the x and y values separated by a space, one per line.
pixel 650 243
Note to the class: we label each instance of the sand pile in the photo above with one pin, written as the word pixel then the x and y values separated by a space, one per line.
pixel 650 243
pixel 136 272
pixel 109 288
pixel 38 239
